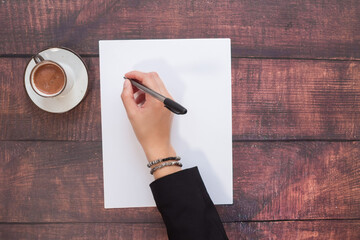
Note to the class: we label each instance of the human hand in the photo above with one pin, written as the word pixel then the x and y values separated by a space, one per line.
pixel 151 121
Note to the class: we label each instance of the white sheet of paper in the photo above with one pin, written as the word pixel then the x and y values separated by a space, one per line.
pixel 197 73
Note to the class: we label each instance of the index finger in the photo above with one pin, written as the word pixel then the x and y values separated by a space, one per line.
pixel 143 78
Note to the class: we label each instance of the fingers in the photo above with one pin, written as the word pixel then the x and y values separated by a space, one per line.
pixel 144 78
pixel 127 97
pixel 151 80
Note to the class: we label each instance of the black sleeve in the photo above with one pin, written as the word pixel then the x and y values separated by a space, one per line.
pixel 186 207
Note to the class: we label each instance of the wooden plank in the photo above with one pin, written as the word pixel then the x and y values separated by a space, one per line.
pixel 295 230
pixel 59 181
pixel 290 29
pixel 272 99
pixel 326 230
pixel 287 99
pixel 296 180
pixel 85 231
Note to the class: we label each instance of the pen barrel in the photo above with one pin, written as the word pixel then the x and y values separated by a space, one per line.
pixel 174 106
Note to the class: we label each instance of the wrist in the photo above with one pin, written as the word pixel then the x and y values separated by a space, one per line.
pixel 160 153
pixel 166 171
pixel 155 153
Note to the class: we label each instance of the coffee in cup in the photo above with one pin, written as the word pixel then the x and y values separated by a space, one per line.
pixel 48 79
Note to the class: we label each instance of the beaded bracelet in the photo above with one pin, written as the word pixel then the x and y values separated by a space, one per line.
pixel 177 158
pixel 167 164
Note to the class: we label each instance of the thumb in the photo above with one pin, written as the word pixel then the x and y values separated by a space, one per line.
pixel 127 97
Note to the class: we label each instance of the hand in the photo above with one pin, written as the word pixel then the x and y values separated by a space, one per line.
pixel 149 118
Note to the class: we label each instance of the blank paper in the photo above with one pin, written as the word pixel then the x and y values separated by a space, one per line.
pixel 197 73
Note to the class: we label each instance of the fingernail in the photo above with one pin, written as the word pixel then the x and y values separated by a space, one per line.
pixel 126 83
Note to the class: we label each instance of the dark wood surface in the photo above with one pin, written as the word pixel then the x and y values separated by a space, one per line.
pixel 244 230
pixel 296 117
pixel 61 181
pixel 278 99
pixel 260 28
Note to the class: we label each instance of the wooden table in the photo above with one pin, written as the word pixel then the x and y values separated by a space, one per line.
pixel 296 117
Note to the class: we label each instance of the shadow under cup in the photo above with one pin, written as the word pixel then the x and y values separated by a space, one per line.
pixel 48 79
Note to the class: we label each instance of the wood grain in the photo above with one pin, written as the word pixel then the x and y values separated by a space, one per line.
pixel 272 100
pixel 60 181
pixel 296 180
pixel 289 99
pixel 294 230
pixel 326 230
pixel 277 29
pixel 82 231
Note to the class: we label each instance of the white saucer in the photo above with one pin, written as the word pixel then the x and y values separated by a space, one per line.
pixel 76 72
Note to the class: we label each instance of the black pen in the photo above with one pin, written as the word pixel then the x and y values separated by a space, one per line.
pixel 169 103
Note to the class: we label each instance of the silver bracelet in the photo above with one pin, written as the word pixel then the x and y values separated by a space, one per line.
pixel 167 164
pixel 177 158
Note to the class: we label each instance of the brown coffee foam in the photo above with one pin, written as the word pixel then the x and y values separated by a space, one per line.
pixel 49 78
